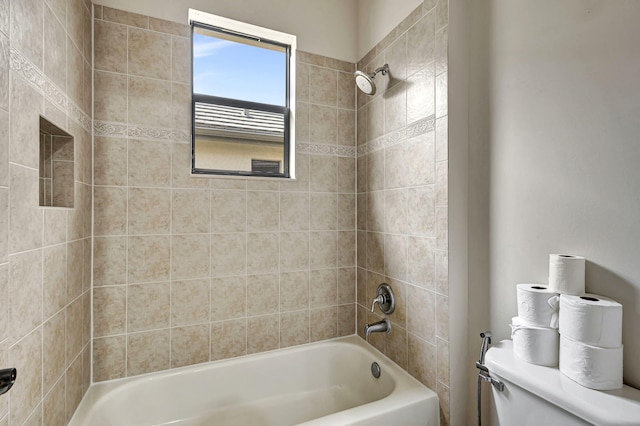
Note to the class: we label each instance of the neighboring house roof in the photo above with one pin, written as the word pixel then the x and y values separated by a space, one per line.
pixel 221 120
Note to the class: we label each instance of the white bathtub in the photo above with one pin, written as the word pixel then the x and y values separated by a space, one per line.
pixel 324 383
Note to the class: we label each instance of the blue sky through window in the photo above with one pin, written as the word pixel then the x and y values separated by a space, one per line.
pixel 239 71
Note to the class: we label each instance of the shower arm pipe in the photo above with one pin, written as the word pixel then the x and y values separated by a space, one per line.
pixel 383 70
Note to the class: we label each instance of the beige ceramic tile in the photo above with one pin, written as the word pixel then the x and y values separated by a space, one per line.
pixel 396 213
pixel 443 361
pixel 442 43
pixel 148 258
pixel 375 171
pixel 294 328
pixel 148 306
pixel 75 265
pixel 262 333
pixel 323 86
pixel 110 214
pixel 228 298
pixel 181 60
pixel 53 405
pixel 346 175
pixel 228 254
pixel 109 358
pixel 375 118
pixel 148 54
pixel 346 211
pixel 75 74
pixel 421 95
pixel 149 163
pixel 421 262
pixel 323 288
pixel 397 347
pixel 26 19
pixel 346 285
pixel 4 120
pixel 395 256
pixel 74 387
pixel 324 174
pixel 190 303
pixel 442 140
pixel 55 49
pixel 262 294
pixel 4 224
pixel 346 248
pixel 441 95
pixel 26 394
pixel 422 361
pixel 294 251
pixel 346 127
pixel 26 105
pixel 442 272
pixel 73 329
pixel 110 257
pixel 189 345
pixel 442 317
pixel 301 182
pixel 395 108
pixel 4 297
pixel 54 278
pixel 421 204
pixel 346 319
pixel 25 286
pixel 149 211
pixel 169 27
pixel 421 44
pixel 324 209
pixel 190 211
pixel 323 124
pixel 228 339
pixel 443 399
pixel 323 249
pixel 302 82
pixel 323 323
pixel 181 106
pixel 346 91
pixel 110 161
pixel 302 122
pixel 149 101
pixel 262 253
pixel 262 211
pixel 228 211
pixel 294 211
pixel 190 256
pixel 122 17
pixel 148 352
pixel 294 291
pixel 53 361
pixel 421 315
pixel 375 252
pixel 110 50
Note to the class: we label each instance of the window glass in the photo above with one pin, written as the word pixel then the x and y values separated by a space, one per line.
pixel 242 99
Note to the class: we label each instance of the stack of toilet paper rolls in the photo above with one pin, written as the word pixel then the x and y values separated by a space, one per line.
pixel 535 330
pixel 591 341
pixel 561 324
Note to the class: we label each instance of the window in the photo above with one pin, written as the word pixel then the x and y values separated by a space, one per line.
pixel 242 99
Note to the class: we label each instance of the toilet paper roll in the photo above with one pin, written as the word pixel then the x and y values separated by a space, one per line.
pixel 591 319
pixel 591 366
pixel 535 345
pixel 566 274
pixel 537 305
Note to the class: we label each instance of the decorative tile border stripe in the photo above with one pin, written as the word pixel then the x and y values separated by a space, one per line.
pixel 331 150
pixel 123 130
pixel 35 77
pixel 414 129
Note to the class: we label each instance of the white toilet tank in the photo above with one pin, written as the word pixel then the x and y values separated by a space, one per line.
pixel 536 395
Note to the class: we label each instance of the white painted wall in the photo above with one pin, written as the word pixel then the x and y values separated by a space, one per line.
pixel 326 27
pixel 377 17
pixel 554 154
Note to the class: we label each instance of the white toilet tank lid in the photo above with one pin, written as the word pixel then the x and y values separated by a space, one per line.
pixel 619 407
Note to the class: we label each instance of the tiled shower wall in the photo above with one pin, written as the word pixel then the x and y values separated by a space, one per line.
pixel 402 196
pixel 192 269
pixel 45 253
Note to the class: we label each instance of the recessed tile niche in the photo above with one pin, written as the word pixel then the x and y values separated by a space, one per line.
pixel 56 166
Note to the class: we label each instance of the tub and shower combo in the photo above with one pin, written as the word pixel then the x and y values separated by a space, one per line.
pixel 330 383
